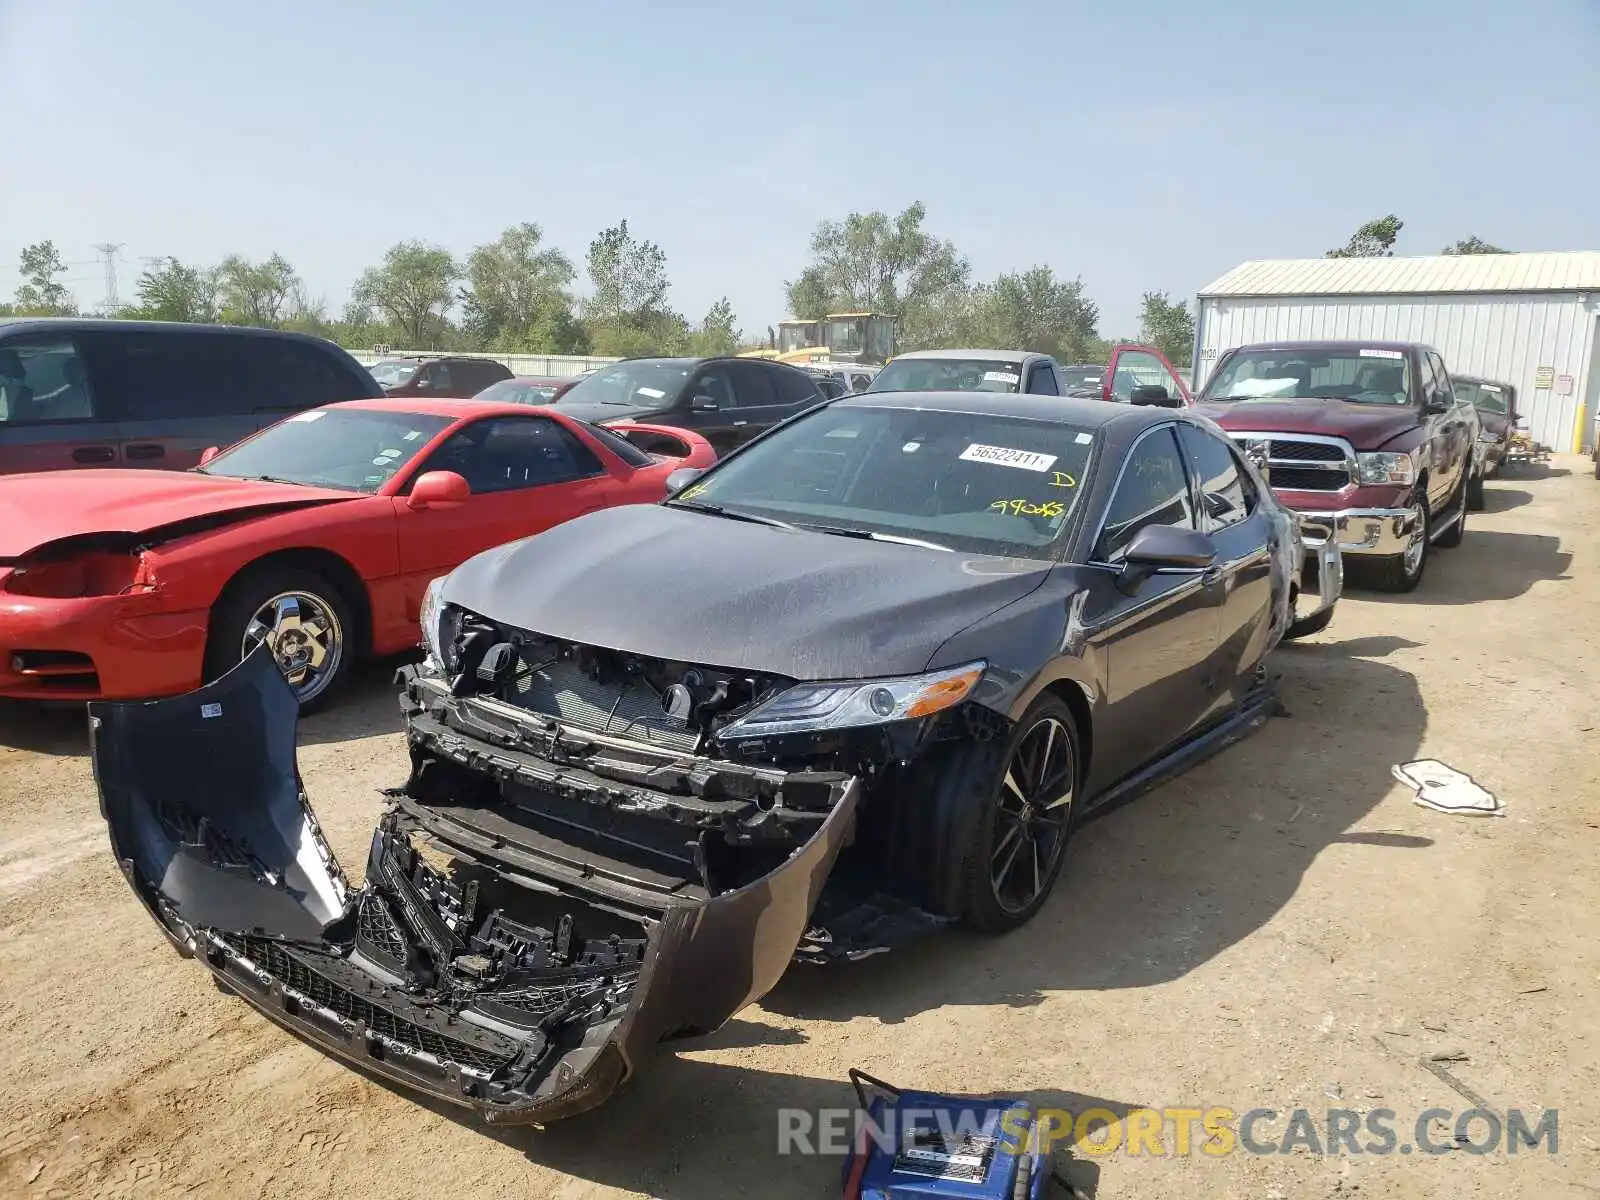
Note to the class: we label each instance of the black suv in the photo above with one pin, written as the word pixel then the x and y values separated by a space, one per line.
pixel 88 392
pixel 727 401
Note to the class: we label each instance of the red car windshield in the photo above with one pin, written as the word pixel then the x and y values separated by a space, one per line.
pixel 350 449
pixel 1364 376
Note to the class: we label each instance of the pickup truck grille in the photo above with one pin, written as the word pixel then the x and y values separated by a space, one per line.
pixel 1303 464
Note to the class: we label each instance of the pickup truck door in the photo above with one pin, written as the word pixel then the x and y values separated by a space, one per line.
pixel 1456 427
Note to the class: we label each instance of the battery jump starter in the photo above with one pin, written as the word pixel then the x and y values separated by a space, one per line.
pixel 923 1146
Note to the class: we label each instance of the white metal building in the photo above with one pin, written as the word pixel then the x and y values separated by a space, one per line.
pixel 1530 320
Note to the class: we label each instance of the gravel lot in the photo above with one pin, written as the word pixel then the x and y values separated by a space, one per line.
pixel 1281 928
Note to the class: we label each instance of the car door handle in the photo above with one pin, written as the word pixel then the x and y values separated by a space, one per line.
pixel 93 454
pixel 145 450
pixel 1210 576
pixel 736 424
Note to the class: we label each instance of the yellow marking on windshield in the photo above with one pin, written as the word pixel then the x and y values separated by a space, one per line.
pixel 1026 508
pixel 690 492
pixel 1062 479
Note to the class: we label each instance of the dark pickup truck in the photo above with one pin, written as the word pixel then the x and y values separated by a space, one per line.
pixel 1364 439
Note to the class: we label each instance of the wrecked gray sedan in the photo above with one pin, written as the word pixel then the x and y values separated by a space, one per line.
pixel 858 682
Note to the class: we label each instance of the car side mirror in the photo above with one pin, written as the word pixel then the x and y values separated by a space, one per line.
pixel 682 478
pixel 704 404
pixel 1521 422
pixel 208 454
pixel 1154 395
pixel 1436 406
pixel 438 489
pixel 1164 548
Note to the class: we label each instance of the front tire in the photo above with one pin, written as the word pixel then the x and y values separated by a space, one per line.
pixel 1402 572
pixel 1475 499
pixel 1305 628
pixel 1029 807
pixel 304 620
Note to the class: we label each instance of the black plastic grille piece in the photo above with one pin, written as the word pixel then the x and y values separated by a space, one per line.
pixel 1308 479
pixel 491 1054
pixel 1306 451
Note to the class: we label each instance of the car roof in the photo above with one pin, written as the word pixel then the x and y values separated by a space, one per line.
pixel 1067 410
pixel 87 324
pixel 426 406
pixel 539 379
pixel 1011 356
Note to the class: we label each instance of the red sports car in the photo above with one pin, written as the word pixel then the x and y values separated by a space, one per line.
pixel 317 536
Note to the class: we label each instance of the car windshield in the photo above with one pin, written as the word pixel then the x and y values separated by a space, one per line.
pixel 974 482
pixel 518 391
pixel 1364 376
pixel 637 383
pixel 1081 377
pixel 1490 397
pixel 394 373
pixel 351 449
pixel 948 375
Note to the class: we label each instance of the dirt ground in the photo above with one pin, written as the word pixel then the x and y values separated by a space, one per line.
pixel 1282 928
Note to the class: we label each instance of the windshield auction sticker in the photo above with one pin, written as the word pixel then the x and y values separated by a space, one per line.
pixel 1382 354
pixel 1001 456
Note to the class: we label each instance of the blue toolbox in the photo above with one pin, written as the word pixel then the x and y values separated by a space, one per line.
pixel 923 1146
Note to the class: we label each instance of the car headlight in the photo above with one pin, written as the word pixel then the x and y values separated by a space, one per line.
pixel 813 707
pixel 1385 467
pixel 1488 435
pixel 435 638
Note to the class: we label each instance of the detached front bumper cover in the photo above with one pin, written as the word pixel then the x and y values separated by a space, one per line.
pixel 424 975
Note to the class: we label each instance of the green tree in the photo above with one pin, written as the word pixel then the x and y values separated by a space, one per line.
pixel 875 262
pixel 630 284
pixel 956 316
pixel 413 288
pixel 515 295
pixel 718 332
pixel 1168 326
pixel 40 293
pixel 808 295
pixel 1375 239
pixel 255 293
pixel 171 291
pixel 1033 310
pixel 1473 245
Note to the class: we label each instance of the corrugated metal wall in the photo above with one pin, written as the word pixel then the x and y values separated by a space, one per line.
pixel 1502 337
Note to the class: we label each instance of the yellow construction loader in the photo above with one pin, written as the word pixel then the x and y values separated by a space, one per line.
pixel 856 337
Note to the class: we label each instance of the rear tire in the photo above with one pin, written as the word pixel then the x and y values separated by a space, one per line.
pixel 303 617
pixel 1451 538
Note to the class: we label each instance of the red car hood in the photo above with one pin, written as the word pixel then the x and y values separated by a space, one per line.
pixel 51 505
pixel 1365 426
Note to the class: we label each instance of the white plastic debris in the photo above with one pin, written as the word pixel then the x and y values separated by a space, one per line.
pixel 1444 788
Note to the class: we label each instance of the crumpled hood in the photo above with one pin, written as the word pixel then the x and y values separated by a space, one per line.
pixel 1365 426
pixel 47 506
pixel 690 587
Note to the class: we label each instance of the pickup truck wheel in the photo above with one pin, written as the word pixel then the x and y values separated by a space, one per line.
pixel 1402 572
pixel 1451 538
pixel 1015 849
pixel 303 619
pixel 1475 493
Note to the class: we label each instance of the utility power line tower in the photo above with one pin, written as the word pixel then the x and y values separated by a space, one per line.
pixel 108 255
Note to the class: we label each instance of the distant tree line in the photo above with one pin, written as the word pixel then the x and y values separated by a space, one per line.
pixel 516 295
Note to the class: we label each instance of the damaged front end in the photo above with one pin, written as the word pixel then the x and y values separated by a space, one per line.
pixel 499 954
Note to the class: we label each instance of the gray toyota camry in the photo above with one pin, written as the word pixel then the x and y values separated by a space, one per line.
pixel 857 682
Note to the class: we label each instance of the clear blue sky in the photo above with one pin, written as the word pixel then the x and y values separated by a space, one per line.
pixel 1149 144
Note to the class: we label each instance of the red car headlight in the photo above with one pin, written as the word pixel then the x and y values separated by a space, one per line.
pixel 81 576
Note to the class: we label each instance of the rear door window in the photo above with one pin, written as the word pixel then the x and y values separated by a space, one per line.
pixel 160 376
pixel 796 388
pixel 1225 497
pixel 43 381
pixel 1043 381
pixel 287 376
pixel 752 386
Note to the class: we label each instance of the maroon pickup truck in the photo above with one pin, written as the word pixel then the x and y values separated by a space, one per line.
pixel 1362 438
